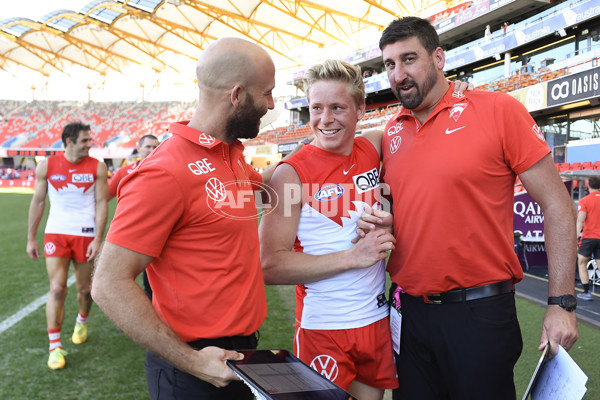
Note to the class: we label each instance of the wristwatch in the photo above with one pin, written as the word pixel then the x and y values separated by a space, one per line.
pixel 566 301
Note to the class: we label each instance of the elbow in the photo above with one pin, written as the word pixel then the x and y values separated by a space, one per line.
pixel 269 268
pixel 98 289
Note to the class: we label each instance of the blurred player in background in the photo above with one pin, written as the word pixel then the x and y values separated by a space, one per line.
pixel 76 185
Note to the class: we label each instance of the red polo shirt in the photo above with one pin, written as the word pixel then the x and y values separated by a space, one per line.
pixel 451 181
pixel 191 207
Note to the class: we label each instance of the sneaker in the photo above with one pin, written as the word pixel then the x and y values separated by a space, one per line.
pixel 585 296
pixel 56 360
pixel 79 333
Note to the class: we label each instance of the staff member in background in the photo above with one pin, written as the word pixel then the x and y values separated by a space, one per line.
pixel 588 232
pixel 200 245
pixel 144 147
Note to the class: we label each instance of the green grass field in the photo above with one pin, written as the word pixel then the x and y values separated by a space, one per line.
pixel 110 366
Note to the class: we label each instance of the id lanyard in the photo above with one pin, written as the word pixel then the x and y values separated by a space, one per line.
pixel 396 318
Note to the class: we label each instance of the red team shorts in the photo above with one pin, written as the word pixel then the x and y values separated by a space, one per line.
pixel 67 246
pixel 364 354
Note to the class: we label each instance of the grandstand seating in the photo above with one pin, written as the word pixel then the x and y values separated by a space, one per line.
pixel 39 124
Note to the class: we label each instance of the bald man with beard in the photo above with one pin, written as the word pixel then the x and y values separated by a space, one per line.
pixel 180 218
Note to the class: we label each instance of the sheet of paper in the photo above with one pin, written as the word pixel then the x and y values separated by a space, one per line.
pixel 561 378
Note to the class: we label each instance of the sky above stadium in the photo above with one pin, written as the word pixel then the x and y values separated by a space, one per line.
pixel 35 9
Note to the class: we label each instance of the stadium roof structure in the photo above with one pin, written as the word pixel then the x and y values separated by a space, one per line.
pixel 105 36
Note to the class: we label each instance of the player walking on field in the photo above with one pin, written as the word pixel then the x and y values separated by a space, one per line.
pixel 76 185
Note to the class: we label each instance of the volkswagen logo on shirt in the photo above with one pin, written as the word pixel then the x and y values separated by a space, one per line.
pixel 395 144
pixel 215 189
pixel 329 192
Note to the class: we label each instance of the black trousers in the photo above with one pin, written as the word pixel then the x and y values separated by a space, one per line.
pixel 458 351
pixel 165 382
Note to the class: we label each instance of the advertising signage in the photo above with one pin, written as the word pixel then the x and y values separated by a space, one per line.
pixel 572 88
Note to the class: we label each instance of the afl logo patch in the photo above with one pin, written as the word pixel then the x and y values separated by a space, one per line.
pixel 49 248
pixel 326 366
pixel 329 192
pixel 58 177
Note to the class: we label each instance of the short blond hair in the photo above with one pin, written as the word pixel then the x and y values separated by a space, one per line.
pixel 339 71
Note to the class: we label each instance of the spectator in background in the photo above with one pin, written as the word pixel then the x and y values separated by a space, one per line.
pixel 450 161
pixel 488 31
pixel 201 250
pixel 341 312
pixel 505 27
pixel 76 186
pixel 588 232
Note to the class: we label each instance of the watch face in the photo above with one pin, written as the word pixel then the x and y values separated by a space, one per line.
pixel 569 302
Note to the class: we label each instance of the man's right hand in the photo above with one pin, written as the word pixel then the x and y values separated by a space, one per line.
pixel 211 366
pixel 33 250
pixel 372 219
pixel 372 248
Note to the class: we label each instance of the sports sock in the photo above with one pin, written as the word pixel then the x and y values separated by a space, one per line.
pixel 54 337
pixel 586 287
pixel 82 319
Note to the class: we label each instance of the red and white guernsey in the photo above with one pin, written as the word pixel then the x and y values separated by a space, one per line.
pixel 335 190
pixel 71 190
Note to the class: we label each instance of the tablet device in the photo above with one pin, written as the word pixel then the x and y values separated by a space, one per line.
pixel 279 375
pixel 537 372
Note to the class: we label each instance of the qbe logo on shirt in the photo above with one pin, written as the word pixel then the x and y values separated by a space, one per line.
pixel 83 178
pixel 366 181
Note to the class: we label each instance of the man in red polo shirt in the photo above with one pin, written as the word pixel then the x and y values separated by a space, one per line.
pixel 588 231
pixel 144 147
pixel 187 215
pixel 450 161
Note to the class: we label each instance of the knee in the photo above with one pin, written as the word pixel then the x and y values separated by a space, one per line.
pixel 85 292
pixel 58 290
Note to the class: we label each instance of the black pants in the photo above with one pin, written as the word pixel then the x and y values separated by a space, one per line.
pixel 458 351
pixel 165 382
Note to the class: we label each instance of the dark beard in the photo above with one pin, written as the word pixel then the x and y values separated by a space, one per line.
pixel 244 123
pixel 412 102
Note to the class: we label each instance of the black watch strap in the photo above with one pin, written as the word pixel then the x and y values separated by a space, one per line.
pixel 567 301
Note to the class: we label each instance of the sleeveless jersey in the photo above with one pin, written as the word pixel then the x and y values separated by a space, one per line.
pixel 71 190
pixel 335 190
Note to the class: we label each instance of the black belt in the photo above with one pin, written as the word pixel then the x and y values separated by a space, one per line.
pixel 472 293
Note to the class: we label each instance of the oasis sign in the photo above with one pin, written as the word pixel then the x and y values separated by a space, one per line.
pixel 576 87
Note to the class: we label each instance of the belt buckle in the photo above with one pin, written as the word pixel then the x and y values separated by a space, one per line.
pixel 433 299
